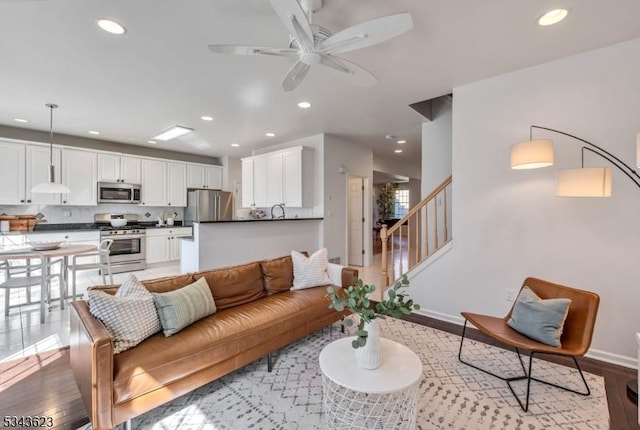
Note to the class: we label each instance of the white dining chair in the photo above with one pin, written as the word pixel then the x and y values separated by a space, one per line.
pixel 103 263
pixel 27 276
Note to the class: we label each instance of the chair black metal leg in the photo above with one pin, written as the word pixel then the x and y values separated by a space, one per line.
pixel 527 374
pixel 269 362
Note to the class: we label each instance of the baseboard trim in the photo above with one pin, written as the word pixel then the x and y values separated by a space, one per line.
pixel 596 354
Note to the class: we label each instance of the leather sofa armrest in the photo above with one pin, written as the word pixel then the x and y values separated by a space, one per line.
pixel 341 275
pixel 92 364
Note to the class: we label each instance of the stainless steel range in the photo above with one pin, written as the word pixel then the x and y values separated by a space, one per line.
pixel 127 252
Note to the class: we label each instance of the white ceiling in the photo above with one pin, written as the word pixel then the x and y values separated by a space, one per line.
pixel 161 73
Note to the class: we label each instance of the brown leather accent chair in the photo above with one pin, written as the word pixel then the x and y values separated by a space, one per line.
pixel 575 340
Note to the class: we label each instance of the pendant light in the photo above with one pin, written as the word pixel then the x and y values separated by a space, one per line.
pixel 51 187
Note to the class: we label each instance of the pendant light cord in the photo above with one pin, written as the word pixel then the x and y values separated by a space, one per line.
pixel 51 107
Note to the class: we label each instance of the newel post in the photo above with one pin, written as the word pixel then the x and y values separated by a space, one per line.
pixel 384 282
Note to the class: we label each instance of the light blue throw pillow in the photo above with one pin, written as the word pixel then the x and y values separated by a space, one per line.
pixel 539 319
pixel 179 308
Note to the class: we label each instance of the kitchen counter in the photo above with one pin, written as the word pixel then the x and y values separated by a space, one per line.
pixel 82 226
pixel 260 220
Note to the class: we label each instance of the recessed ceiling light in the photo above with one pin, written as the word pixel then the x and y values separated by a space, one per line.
pixel 206 118
pixel 20 120
pixel 401 141
pixel 304 105
pixel 111 26
pixel 94 132
pixel 389 137
pixel 553 17
pixel 270 134
pixel 398 151
pixel 153 142
pixel 173 132
pixel 235 145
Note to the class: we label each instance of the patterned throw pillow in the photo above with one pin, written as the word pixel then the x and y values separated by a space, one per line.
pixel 179 308
pixel 309 272
pixel 539 319
pixel 130 315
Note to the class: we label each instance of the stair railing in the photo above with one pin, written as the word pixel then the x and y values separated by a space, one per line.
pixel 423 231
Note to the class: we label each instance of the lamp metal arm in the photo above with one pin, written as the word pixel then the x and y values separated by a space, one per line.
pixel 635 181
pixel 624 168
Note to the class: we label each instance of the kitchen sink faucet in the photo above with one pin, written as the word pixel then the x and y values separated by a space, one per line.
pixel 281 206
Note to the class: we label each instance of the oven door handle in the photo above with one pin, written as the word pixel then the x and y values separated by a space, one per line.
pixel 123 236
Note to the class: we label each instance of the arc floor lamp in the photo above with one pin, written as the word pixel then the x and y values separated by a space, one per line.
pixel 582 182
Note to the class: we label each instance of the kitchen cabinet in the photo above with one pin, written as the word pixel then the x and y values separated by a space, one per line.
pixel 119 168
pixel 163 244
pixel 204 176
pixel 164 184
pixel 279 177
pixel 25 166
pixel 12 173
pixel 80 174
pixel 176 184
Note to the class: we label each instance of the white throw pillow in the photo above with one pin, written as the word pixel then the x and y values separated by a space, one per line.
pixel 130 315
pixel 309 272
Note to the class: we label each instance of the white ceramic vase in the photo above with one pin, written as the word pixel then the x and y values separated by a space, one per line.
pixel 370 356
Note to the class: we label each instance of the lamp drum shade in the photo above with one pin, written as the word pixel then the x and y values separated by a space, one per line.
pixel 584 182
pixel 532 154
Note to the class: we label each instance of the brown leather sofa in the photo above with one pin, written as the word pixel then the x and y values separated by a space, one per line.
pixel 257 314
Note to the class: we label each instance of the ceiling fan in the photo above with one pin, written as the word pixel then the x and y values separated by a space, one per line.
pixel 313 44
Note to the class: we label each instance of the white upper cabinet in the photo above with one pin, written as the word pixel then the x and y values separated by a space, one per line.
pixel 37 171
pixel 154 183
pixel 204 176
pixel 119 168
pixel 164 184
pixel 279 177
pixel 12 173
pixel 80 174
pixel 176 184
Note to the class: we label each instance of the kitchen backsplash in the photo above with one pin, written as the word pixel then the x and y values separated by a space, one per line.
pixel 76 214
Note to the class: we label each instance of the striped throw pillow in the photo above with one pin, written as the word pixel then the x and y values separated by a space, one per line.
pixel 179 308
pixel 129 316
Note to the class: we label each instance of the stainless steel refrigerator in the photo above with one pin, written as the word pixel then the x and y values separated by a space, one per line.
pixel 208 205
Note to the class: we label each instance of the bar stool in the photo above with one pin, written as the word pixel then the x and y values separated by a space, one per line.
pixel 103 264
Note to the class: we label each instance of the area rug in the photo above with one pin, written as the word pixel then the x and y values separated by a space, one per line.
pixel 452 395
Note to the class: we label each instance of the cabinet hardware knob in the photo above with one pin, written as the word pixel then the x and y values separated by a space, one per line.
pixel 169 204
pixel 64 201
pixel 28 200
pixel 22 201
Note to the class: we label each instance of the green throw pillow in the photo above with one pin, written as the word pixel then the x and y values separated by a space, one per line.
pixel 179 308
pixel 539 319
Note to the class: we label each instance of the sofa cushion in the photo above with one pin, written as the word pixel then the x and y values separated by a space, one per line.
pixel 233 286
pixel 179 308
pixel 162 285
pixel 130 315
pixel 278 274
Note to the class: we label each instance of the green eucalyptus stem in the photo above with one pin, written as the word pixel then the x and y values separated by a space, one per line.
pixel 354 298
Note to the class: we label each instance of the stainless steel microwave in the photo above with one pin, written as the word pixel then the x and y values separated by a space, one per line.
pixel 113 192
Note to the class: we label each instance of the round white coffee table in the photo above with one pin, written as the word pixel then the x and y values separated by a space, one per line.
pixel 356 398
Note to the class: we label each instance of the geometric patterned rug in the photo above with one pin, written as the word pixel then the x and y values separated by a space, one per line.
pixel 452 395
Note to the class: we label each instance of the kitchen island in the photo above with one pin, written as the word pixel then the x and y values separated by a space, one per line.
pixel 217 244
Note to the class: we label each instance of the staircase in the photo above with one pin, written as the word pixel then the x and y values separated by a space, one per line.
pixel 417 236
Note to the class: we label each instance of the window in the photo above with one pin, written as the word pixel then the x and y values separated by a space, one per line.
pixel 401 203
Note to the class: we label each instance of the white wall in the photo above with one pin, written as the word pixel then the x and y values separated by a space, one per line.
pixel 396 166
pixel 436 145
pixel 358 161
pixel 508 225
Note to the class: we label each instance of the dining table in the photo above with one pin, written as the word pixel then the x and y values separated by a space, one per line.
pixel 64 251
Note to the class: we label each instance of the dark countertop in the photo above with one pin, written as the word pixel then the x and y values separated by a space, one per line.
pixel 260 220
pixel 83 226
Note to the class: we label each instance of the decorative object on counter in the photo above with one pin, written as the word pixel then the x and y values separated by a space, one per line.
pixel 20 222
pixel 355 298
pixel 51 187
pixel 257 214
pixel 118 222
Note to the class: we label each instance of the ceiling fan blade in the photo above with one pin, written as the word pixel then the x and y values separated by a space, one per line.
pixel 367 34
pixel 294 18
pixel 295 75
pixel 349 71
pixel 252 50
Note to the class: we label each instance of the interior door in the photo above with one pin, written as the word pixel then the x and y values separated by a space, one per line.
pixel 356 221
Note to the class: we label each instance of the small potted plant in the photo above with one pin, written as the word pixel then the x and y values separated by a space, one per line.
pixel 367 340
